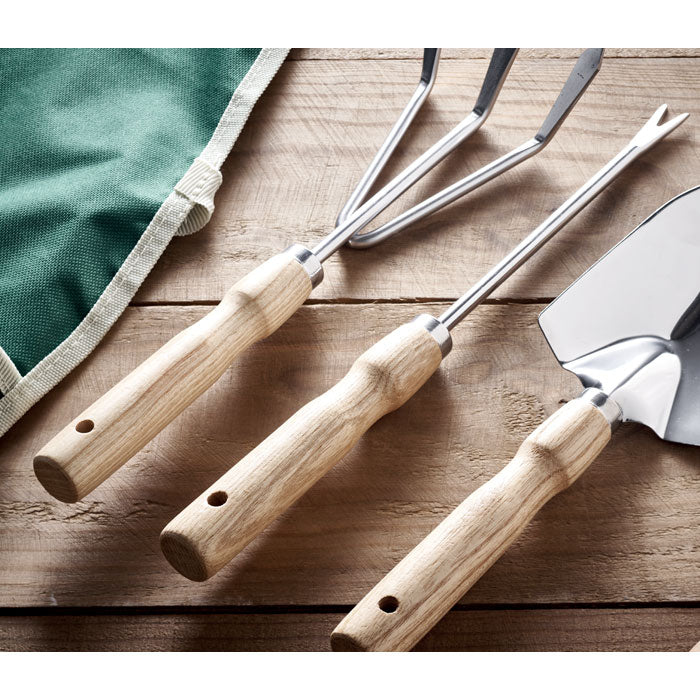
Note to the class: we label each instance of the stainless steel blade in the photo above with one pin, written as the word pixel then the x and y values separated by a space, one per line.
pixel 629 326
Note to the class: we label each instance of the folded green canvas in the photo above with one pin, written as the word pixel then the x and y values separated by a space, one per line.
pixel 106 155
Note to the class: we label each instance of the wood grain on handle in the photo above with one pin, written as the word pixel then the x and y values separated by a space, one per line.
pixel 412 597
pixel 120 423
pixel 223 520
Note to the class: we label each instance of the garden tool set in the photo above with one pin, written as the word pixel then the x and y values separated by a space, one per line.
pixel 223 520
pixel 628 329
pixel 121 422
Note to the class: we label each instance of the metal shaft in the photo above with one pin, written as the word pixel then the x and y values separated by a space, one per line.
pixel 651 133
pixel 530 245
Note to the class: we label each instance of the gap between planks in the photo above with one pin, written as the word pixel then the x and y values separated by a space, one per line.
pixel 533 630
pixel 456 54
pixel 497 301
pixel 145 610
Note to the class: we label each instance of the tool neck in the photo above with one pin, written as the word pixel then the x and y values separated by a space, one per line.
pixel 607 406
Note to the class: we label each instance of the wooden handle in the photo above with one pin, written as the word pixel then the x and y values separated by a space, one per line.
pixel 412 597
pixel 120 423
pixel 223 520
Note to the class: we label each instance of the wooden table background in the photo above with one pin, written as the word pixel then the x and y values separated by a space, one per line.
pixel 611 564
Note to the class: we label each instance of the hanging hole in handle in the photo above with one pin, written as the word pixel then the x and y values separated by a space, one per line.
pixel 388 604
pixel 85 426
pixel 218 498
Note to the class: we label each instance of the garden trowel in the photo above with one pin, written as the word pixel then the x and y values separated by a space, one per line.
pixel 629 328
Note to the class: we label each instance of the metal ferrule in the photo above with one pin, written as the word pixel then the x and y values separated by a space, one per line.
pixel 311 264
pixel 437 329
pixel 607 406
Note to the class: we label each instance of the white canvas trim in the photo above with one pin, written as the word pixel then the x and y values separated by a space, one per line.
pixel 188 207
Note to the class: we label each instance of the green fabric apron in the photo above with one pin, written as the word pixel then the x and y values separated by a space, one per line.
pixel 106 154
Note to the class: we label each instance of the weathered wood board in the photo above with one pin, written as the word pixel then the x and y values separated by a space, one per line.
pixel 414 54
pixel 627 531
pixel 659 629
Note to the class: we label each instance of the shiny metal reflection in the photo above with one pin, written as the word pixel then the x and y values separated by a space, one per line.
pixel 630 325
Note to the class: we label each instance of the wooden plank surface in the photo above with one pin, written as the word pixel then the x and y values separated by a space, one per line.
pixel 627 531
pixel 624 535
pixel 415 54
pixel 320 122
pixel 661 629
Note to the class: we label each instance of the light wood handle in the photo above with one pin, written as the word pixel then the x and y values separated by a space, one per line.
pixel 107 434
pixel 223 520
pixel 412 597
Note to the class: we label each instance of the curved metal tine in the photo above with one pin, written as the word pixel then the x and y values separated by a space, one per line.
pixel 500 64
pixel 580 78
pixel 653 131
pixel 431 59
